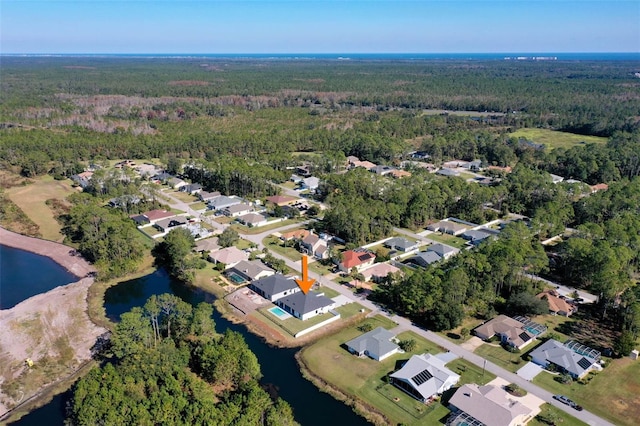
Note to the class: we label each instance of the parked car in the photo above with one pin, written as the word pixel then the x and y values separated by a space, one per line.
pixel 567 401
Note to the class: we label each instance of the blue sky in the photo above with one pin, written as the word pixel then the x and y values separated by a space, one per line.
pixel 300 26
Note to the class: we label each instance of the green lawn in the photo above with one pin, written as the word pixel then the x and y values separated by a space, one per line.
pixel 242 244
pixel 364 378
pixel 329 292
pixel 560 416
pixel 243 229
pixel 321 269
pixel 183 196
pixel 294 325
pixel 611 393
pixel 275 244
pixel 554 139
pixel 502 357
pixel 198 206
pixel 447 239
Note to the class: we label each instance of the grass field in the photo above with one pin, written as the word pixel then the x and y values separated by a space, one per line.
pixel 553 139
pixel 562 417
pixel 32 200
pixel 613 393
pixel 447 239
pixel 275 244
pixel 364 378
pixel 242 229
pixel 502 357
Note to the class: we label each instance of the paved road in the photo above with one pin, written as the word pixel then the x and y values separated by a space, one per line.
pixel 405 324
pixel 176 203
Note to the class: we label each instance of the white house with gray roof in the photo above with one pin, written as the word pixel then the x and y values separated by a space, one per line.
pixel 443 250
pixel 251 269
pixel 304 306
pixel 376 344
pixel 274 287
pixel 424 377
pixel 425 258
pixel 223 202
pixel 401 244
pixel 565 358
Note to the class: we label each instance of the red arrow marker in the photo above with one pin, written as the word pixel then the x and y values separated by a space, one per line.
pixel 305 283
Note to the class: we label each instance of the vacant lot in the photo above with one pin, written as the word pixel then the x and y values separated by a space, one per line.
pixel 32 200
pixel 613 393
pixel 553 139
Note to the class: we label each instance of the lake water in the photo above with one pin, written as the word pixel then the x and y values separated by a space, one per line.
pixel 279 368
pixel 24 274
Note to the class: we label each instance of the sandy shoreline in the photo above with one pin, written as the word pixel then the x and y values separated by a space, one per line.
pixel 59 253
pixel 53 329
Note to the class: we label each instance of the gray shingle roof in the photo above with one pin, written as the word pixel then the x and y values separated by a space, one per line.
pixel 426 258
pixel 274 284
pixel 305 303
pixel 377 342
pixel 251 268
pixel 560 355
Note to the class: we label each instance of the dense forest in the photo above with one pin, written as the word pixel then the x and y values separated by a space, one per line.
pixel 170 366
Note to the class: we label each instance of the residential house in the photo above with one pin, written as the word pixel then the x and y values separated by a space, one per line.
pixel 448 227
pixel 251 269
pixel 425 258
pixel 511 331
pixel 237 210
pixel 311 183
pixel 206 196
pixel 315 246
pixel 222 202
pixel 443 250
pixel 447 172
pixel 209 244
pixel 399 174
pixel 571 358
pixel 401 244
pixel 454 164
pixel 176 183
pixel 147 170
pixel 297 234
pixel 379 272
pixel 155 215
pixel 192 188
pixel 556 178
pixel 162 177
pixel 381 170
pixel 295 178
pixel 165 225
pixel 304 171
pixel 139 219
pixel 488 405
pixel 274 287
pixel 599 187
pixel 197 230
pixel 281 200
pixel 499 169
pixel 424 377
pixel 364 164
pixel 304 306
pixel 358 259
pixel 253 219
pixel 557 304
pixel 376 344
pixel 476 236
pixel 82 179
pixel 474 165
pixel 229 256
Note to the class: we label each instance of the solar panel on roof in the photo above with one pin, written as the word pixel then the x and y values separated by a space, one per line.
pixel 421 377
pixel 584 363
pixel 525 337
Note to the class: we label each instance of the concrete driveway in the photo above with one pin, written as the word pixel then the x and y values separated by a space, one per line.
pixel 529 371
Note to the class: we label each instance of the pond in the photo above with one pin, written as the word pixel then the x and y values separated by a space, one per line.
pixel 279 367
pixel 24 274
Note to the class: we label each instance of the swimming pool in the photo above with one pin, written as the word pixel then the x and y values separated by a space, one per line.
pixel 278 312
pixel 236 278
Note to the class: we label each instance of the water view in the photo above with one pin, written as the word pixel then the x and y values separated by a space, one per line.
pixel 311 407
pixel 24 274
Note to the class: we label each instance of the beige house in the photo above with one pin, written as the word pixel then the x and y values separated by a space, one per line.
pixel 488 405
